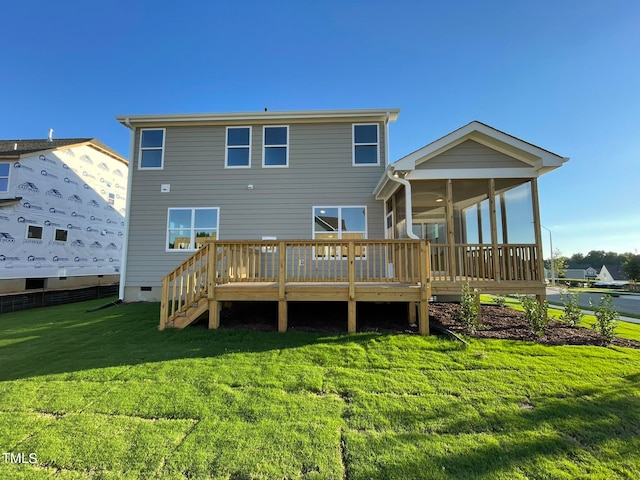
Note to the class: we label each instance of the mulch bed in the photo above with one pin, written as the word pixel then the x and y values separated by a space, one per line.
pixel 501 323
pixel 507 324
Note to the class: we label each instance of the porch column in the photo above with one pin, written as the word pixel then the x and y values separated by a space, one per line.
pixel 494 230
pixel 450 232
pixel 538 231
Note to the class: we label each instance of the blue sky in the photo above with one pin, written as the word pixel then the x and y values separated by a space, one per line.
pixel 564 75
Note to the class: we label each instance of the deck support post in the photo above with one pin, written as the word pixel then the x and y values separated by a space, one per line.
pixel 282 315
pixel 425 288
pixel 351 272
pixel 214 314
pixel 164 304
pixel 282 277
pixel 411 307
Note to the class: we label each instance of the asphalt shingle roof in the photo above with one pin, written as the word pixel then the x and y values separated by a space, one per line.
pixel 21 147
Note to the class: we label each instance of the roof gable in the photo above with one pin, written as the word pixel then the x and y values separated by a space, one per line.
pixel 529 155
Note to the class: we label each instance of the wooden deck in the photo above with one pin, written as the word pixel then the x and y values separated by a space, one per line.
pixel 348 271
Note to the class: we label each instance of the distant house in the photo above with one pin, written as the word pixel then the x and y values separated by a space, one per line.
pixel 62 211
pixel 612 273
pixel 577 271
pixel 344 222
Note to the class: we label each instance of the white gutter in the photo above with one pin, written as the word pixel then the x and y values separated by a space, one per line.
pixel 408 207
pixel 125 246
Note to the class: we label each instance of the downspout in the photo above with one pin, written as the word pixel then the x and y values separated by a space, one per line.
pixel 125 245
pixel 408 207
pixel 402 181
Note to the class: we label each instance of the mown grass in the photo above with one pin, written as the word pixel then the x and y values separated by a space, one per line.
pixel 105 395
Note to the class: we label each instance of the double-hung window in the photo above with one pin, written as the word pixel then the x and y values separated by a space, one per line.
pixel 275 150
pixel 366 144
pixel 187 228
pixel 151 149
pixel 238 147
pixel 5 168
pixel 339 223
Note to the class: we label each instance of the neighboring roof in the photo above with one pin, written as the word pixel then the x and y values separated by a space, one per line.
pixel 579 266
pixel 616 272
pixel 14 149
pixel 301 116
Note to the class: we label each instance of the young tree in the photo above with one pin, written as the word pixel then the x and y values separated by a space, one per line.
pixel 560 264
pixel 631 267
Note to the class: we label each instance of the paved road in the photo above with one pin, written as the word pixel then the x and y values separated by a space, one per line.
pixel 623 303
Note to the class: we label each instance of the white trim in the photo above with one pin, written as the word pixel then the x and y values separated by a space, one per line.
pixel 265 146
pixel 162 148
pixel 227 146
pixel 192 229
pixel 125 239
pixel 354 145
pixel 11 167
pixel 299 116
pixel 471 173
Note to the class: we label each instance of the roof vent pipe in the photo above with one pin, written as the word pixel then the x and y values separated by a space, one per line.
pixel 15 146
pixel 50 139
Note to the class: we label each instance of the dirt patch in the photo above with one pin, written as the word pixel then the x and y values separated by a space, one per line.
pixel 501 323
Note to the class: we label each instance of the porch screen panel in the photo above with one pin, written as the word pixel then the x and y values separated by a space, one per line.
pixel 516 210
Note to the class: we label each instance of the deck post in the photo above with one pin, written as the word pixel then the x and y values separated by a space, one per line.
pixel 539 261
pixel 425 287
pixel 214 306
pixel 282 274
pixel 214 314
pixel 451 239
pixel 164 304
pixel 494 230
pixel 411 307
pixel 351 270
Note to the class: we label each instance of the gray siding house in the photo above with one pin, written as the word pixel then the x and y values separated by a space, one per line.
pixel 248 176
pixel 306 206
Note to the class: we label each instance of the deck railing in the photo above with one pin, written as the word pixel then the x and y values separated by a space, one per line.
pixel 353 261
pixel 316 261
pixel 184 286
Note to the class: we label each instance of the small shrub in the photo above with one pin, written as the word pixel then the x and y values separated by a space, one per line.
pixel 535 314
pixel 606 317
pixel 572 312
pixel 500 301
pixel 469 309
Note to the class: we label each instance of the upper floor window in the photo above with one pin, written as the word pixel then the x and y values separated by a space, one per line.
pixel 187 228
pixel 275 152
pixel 151 149
pixel 366 146
pixel 5 168
pixel 238 147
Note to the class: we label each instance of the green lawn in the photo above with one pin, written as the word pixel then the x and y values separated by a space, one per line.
pixel 105 395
